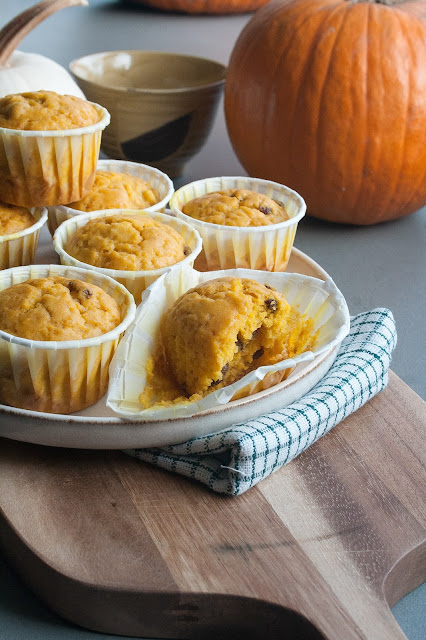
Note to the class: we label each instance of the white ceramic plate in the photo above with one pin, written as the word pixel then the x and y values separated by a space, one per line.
pixel 98 428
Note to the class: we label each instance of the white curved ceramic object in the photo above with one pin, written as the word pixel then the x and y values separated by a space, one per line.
pixel 98 428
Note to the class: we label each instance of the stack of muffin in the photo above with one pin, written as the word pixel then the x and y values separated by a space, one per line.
pixel 60 324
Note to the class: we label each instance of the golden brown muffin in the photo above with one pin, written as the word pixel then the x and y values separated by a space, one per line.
pixel 45 111
pixel 128 242
pixel 236 208
pixel 57 308
pixel 14 219
pixel 222 329
pixel 113 190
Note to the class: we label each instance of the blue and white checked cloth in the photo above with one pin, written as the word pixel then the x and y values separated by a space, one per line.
pixel 239 457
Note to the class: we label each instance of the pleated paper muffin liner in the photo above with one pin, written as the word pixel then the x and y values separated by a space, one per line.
pixel 18 248
pixel 154 177
pixel 319 300
pixel 59 376
pixel 135 281
pixel 43 168
pixel 228 247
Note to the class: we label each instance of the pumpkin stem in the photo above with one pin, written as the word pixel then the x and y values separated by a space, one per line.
pixel 387 2
pixel 16 30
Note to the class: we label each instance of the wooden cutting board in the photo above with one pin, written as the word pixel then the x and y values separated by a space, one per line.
pixel 320 549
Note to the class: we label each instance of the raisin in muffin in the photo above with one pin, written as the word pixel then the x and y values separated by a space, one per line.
pixel 236 207
pixel 127 242
pixel 14 219
pixel 222 329
pixel 114 190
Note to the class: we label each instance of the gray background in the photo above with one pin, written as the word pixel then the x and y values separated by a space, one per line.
pixel 383 265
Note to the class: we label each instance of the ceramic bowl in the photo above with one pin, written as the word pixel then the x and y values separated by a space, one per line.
pixel 162 105
pixel 98 427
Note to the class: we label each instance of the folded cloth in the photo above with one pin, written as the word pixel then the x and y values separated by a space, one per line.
pixel 235 459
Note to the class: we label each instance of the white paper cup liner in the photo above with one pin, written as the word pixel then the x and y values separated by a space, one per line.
pixel 156 178
pixel 43 168
pixel 135 281
pixel 18 248
pixel 59 376
pixel 225 247
pixel 319 300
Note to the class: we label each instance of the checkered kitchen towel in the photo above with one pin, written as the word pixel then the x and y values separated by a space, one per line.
pixel 238 457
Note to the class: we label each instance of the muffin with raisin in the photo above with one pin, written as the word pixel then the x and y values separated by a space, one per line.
pixel 243 222
pixel 219 331
pixel 49 147
pixel 59 329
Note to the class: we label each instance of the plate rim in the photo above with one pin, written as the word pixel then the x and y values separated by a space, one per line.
pixel 311 365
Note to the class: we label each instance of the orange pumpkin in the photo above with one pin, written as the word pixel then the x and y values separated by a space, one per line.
pixel 205 6
pixel 329 98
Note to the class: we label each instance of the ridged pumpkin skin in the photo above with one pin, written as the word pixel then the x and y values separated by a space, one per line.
pixel 206 6
pixel 329 98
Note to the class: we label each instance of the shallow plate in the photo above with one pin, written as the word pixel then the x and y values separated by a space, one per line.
pixel 98 428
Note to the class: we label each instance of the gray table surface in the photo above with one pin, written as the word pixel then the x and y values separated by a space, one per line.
pixel 383 265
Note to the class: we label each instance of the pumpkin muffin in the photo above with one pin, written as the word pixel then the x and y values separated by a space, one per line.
pixel 59 329
pixel 57 308
pixel 49 147
pixel 222 329
pixel 118 184
pixel 236 207
pixel 14 219
pixel 19 234
pixel 46 111
pixel 113 190
pixel 127 242
pixel 244 222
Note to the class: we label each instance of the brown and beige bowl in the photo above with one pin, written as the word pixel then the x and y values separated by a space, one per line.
pixel 162 105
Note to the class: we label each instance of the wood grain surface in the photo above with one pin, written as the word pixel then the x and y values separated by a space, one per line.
pixel 320 549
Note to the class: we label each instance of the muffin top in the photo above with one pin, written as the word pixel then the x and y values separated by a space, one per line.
pixel 13 219
pixel 45 111
pixel 113 190
pixel 57 308
pixel 128 242
pixel 236 208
